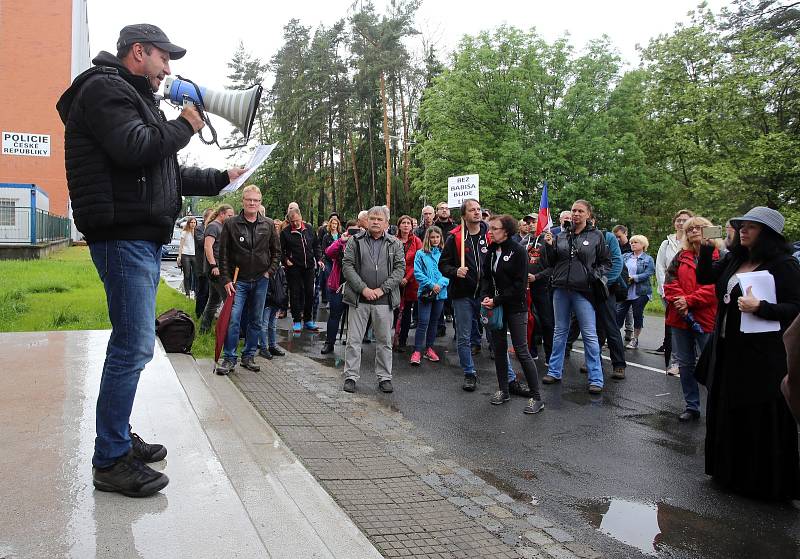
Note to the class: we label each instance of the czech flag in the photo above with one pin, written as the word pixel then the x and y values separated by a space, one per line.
pixel 544 223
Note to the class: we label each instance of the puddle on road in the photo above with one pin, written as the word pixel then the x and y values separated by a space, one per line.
pixel 505 486
pixel 663 530
pixel 583 398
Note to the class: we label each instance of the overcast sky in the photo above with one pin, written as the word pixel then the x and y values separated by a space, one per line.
pixel 212 30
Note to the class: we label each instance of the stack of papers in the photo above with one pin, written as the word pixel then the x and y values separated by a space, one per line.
pixel 763 285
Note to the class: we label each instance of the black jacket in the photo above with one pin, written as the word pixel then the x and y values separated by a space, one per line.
pixel 253 252
pixel 300 247
pixel 450 261
pixel 446 227
pixel 577 260
pixel 756 362
pixel 120 154
pixel 507 284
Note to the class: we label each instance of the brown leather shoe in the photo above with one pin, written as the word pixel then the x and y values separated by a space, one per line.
pixel 619 373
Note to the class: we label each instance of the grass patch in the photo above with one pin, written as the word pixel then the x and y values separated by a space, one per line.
pixel 655 305
pixel 63 318
pixel 48 289
pixel 67 281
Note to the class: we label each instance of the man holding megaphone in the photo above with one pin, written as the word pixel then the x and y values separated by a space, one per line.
pixel 125 184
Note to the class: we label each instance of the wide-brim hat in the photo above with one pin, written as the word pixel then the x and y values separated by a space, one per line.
pixel 765 216
pixel 147 33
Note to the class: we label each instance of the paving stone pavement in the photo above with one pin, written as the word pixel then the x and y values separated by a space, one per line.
pixel 407 499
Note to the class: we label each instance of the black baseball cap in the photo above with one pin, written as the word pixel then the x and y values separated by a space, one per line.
pixel 147 33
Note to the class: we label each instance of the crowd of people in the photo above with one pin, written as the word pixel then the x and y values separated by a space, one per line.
pixel 531 290
pixel 490 275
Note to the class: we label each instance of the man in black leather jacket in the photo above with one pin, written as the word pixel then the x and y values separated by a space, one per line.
pixel 250 243
pixel 125 185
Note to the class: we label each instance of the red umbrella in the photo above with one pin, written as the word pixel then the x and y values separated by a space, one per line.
pixel 224 319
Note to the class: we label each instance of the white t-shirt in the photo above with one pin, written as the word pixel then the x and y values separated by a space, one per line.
pixel 188 243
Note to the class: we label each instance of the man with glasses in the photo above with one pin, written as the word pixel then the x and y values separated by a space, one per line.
pixel 250 243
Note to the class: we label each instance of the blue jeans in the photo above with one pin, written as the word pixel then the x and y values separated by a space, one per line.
pixel 638 305
pixel 269 328
pixel 565 302
pixel 129 271
pixel 425 336
pixel 335 312
pixel 465 310
pixel 250 295
pixel 687 346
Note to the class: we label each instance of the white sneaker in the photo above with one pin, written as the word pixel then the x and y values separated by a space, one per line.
pixel 673 371
pixel 633 344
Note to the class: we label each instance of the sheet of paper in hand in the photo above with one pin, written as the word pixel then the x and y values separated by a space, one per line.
pixel 763 285
pixel 260 155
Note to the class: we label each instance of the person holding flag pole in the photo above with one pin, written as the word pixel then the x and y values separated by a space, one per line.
pixel 539 273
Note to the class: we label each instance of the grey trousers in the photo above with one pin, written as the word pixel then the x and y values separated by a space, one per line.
pixel 357 318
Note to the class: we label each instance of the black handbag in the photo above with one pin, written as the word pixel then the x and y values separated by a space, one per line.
pixel 428 296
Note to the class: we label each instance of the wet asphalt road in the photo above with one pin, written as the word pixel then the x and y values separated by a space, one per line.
pixel 617 471
pixel 618 464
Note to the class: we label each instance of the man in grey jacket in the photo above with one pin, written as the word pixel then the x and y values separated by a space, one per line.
pixel 373 266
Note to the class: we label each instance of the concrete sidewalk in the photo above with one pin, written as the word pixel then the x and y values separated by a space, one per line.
pixel 235 489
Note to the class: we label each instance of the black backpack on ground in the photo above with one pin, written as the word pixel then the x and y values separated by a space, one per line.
pixel 175 329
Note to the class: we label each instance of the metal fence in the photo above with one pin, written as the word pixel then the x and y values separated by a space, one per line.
pixel 21 226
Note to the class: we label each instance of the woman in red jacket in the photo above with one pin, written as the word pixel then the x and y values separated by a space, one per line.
pixel 409 285
pixel 691 311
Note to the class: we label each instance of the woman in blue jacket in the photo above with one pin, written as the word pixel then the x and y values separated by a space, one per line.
pixel 431 294
pixel 639 267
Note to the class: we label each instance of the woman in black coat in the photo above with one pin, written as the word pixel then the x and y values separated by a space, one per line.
pixel 503 284
pixel 751 437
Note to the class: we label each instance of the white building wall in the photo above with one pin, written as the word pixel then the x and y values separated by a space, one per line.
pixel 81 59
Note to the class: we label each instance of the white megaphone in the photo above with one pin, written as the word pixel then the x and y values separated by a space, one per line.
pixel 237 107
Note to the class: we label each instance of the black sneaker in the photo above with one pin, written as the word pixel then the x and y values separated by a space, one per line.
pixel 146 452
pixel 129 476
pixel 518 389
pixel 249 364
pixel 661 349
pixel 349 385
pixel 265 354
pixel 534 406
pixel 226 367
pixel 499 397
pixel 386 386
pixel 689 415
pixel 470 382
pixel 276 351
